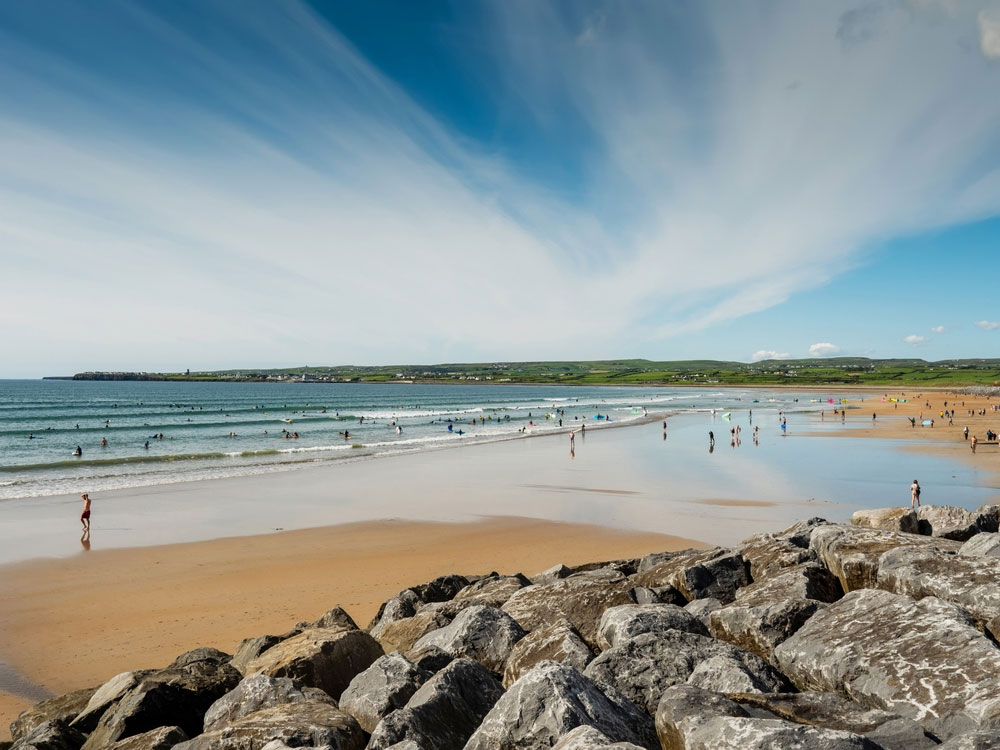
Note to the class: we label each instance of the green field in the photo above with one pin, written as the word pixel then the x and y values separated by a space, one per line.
pixel 833 371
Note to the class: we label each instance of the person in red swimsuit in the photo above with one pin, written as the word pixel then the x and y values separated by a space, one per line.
pixel 85 516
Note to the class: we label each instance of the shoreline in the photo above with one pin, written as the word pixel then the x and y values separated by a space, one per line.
pixel 69 623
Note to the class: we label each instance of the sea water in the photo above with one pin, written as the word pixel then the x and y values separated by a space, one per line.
pixel 220 429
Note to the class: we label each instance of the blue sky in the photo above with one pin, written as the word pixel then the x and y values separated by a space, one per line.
pixel 212 185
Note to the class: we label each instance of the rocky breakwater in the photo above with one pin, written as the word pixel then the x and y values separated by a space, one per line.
pixel 881 633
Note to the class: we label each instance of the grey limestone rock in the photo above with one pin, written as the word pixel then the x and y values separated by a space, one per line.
pixel 703 609
pixel 552 574
pixel 430 658
pixel 983 740
pixel 107 695
pixel 973 583
pixel 322 658
pixel 402 605
pixel 767 612
pixel 715 573
pixel 485 634
pixel 625 621
pixel 887 519
pixel 988 517
pixel 548 702
pixel 256 692
pixel 385 686
pixel 557 642
pixel 250 648
pixel 63 708
pixel 947 522
pixel 176 696
pixel 588 738
pixel 335 618
pixel 401 635
pixel 492 590
pixel 50 735
pixel 985 544
pixel 769 554
pixel 658 595
pixel 692 719
pixel 307 724
pixel 444 712
pixel 162 738
pixel 643 667
pixel 922 659
pixel 852 553
pixel 581 599
pixel 830 711
pixel 653 559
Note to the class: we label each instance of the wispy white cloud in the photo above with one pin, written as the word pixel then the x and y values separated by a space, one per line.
pixel 988 325
pixel 938 329
pixel 769 354
pixel 914 339
pixel 823 349
pixel 989 32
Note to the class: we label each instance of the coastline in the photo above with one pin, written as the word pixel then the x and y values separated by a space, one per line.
pixel 71 620
pixel 70 623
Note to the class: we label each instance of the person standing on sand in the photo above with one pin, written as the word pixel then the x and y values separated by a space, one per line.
pixel 966 432
pixel 85 516
pixel 973 443
pixel 915 494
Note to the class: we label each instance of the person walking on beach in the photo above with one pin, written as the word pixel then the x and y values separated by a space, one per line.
pixel 85 516
pixel 915 495
pixel 966 432
pixel 973 442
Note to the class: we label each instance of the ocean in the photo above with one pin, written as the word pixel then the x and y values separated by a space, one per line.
pixel 213 430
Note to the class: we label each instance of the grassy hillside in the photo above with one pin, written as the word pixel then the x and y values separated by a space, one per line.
pixel 833 371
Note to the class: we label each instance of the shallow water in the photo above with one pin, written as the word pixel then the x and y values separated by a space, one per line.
pixel 628 478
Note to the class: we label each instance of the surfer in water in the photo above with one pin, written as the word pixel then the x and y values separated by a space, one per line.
pixel 78 451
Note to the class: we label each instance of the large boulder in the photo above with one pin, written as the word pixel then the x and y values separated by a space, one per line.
pixel 703 609
pixel 558 642
pixel 767 612
pixel 715 573
pixel 643 667
pixel 947 522
pixel 482 633
pixel 581 599
pixel 492 590
pixel 588 738
pixel 322 658
pixel 385 686
pixel 307 724
pixel 830 711
pixel 401 635
pixel 988 517
pixel 176 696
pixel 402 605
pixel 692 719
pixel 887 519
pixel 333 619
pixel 162 738
pixel 257 692
pixel 250 648
pixel 970 582
pixel 625 621
pixel 52 734
pixel 984 740
pixel 985 544
pixel 444 712
pixel 62 708
pixel 922 659
pixel 852 553
pixel 548 702
pixel 106 696
pixel 658 595
pixel 768 554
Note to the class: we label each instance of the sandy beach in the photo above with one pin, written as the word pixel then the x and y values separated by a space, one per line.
pixel 155 579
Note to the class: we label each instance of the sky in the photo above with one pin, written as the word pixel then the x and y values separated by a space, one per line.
pixel 214 185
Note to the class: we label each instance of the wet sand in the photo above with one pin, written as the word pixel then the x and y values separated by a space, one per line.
pixel 72 623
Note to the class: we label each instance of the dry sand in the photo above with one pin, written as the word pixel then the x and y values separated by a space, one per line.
pixel 72 623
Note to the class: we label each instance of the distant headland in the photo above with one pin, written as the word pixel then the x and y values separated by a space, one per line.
pixel 836 371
